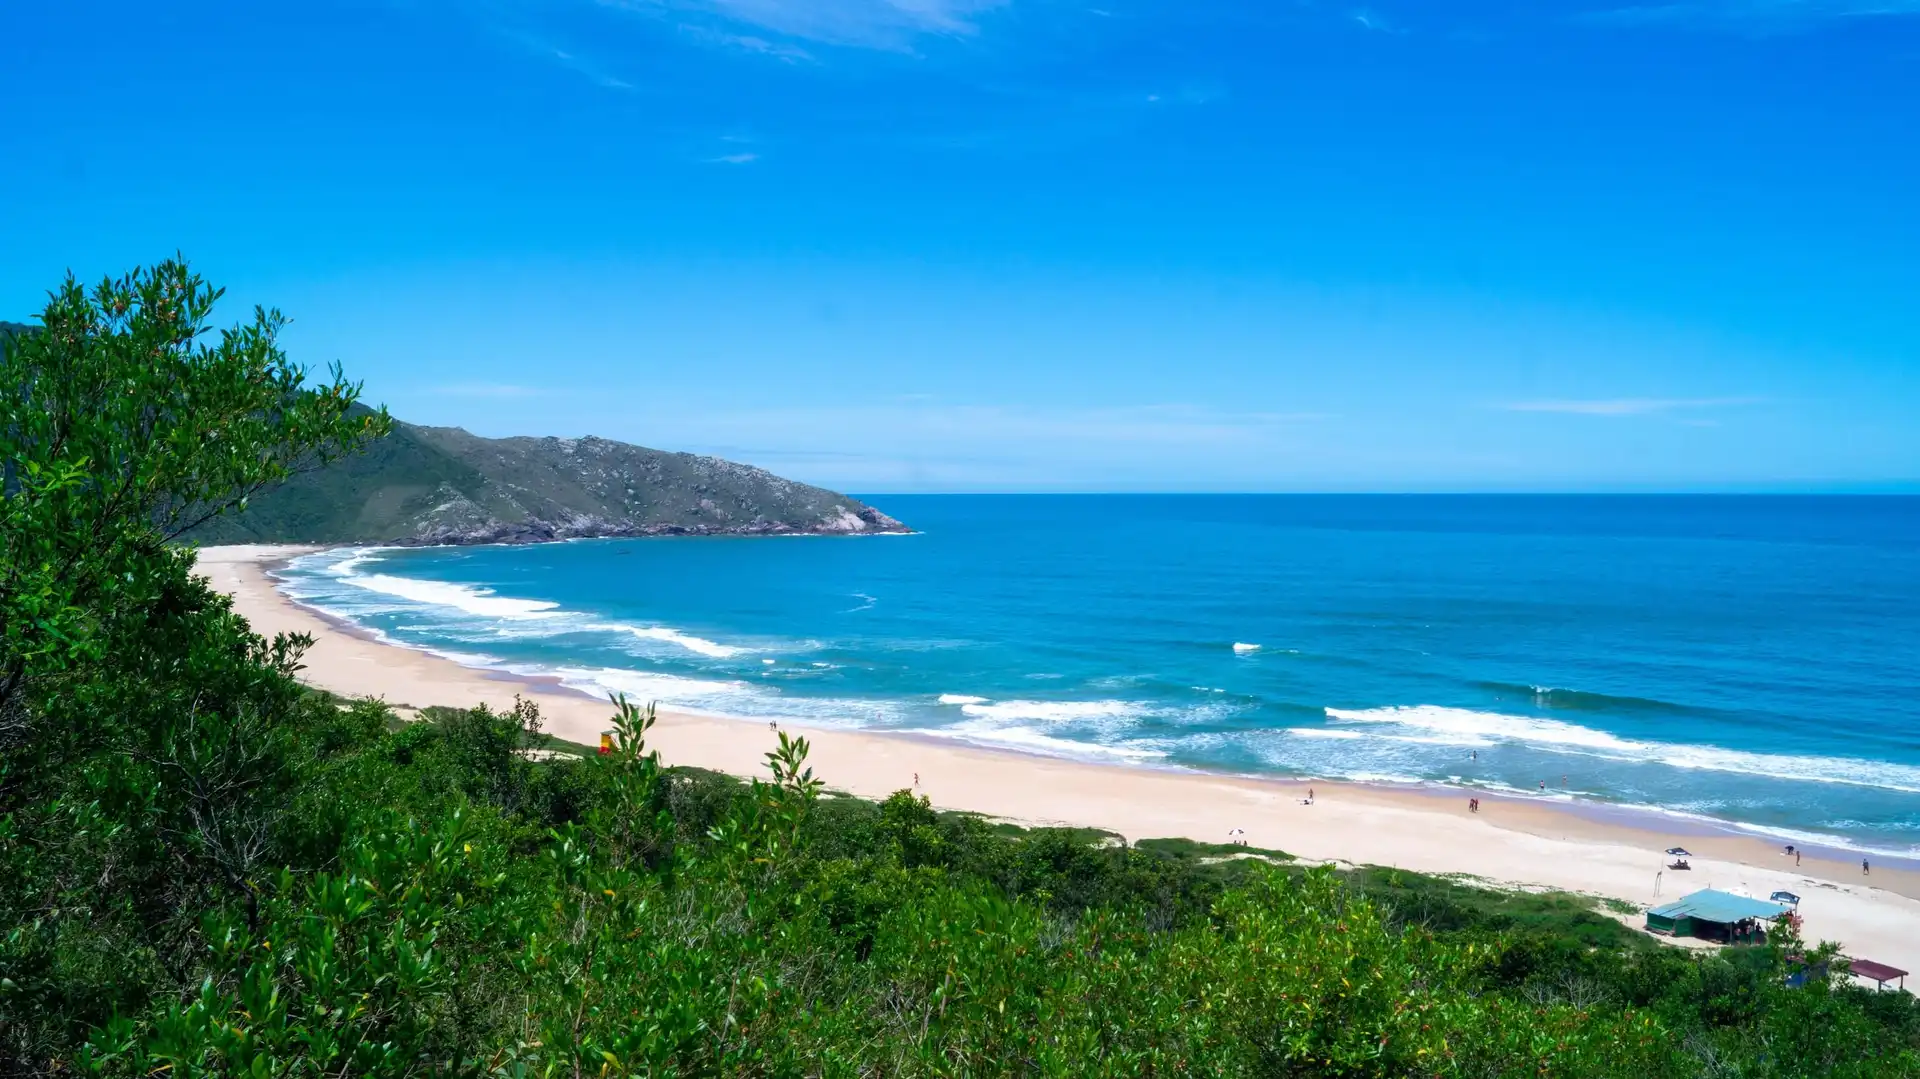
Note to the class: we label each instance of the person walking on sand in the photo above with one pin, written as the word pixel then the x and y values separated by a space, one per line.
pixel 1796 857
pixel 1864 867
pixel 916 779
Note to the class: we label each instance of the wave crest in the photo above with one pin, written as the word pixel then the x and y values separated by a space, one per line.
pixel 478 601
pixel 1464 727
pixel 688 641
pixel 1053 711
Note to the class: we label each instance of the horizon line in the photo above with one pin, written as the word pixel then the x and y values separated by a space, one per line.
pixel 1901 491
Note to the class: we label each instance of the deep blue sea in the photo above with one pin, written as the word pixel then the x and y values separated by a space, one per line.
pixel 1750 659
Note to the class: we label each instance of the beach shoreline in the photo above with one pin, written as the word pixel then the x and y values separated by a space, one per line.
pixel 1590 848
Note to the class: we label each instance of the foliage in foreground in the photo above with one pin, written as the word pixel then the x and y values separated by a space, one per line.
pixel 205 869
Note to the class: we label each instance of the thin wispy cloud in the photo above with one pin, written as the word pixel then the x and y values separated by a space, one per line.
pixel 919 442
pixel 1750 15
pixel 589 69
pixel 584 66
pixel 879 24
pixel 928 421
pixel 1628 406
pixel 496 390
pixel 1376 22
pixel 734 159
pixel 750 43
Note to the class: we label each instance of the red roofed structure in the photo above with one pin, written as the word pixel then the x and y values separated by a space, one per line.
pixel 1879 973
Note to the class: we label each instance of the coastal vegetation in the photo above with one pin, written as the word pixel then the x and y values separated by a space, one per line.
pixel 208 869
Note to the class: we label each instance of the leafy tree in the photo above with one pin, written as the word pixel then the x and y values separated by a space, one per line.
pixel 121 427
pixel 146 736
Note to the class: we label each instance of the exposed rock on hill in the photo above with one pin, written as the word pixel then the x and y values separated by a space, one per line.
pixel 435 485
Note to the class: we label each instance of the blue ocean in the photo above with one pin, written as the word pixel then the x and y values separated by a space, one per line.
pixel 1753 660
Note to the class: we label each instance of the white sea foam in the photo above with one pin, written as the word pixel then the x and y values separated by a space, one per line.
pixel 470 599
pixel 549 619
pixel 1242 648
pixel 687 641
pixel 648 686
pixel 724 697
pixel 1463 727
pixel 479 601
pixel 1029 740
pixel 1800 837
pixel 1052 711
pixel 960 698
pixel 355 559
pixel 1397 778
pixel 1323 732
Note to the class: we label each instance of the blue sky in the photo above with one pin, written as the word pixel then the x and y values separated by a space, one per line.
pixel 895 245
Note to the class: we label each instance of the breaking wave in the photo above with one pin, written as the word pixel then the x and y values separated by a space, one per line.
pixel 532 617
pixel 1576 700
pixel 1029 740
pixel 1463 727
pixel 1053 711
pixel 476 601
pixel 673 636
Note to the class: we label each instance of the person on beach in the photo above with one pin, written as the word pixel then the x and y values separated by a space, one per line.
pixel 1796 857
pixel 916 779
pixel 1543 784
pixel 1864 867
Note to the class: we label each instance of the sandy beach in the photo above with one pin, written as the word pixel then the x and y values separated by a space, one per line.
pixel 1512 841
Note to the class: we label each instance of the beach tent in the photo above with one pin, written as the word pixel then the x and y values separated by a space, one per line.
pixel 1680 852
pixel 1785 897
pixel 1714 915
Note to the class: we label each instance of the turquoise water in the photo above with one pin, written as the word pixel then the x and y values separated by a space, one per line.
pixel 1752 660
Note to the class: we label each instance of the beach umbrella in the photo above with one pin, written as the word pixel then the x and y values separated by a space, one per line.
pixel 1680 852
pixel 1785 897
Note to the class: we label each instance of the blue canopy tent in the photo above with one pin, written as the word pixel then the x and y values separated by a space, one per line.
pixel 1716 915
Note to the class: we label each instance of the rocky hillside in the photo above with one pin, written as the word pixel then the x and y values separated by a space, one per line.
pixel 432 485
